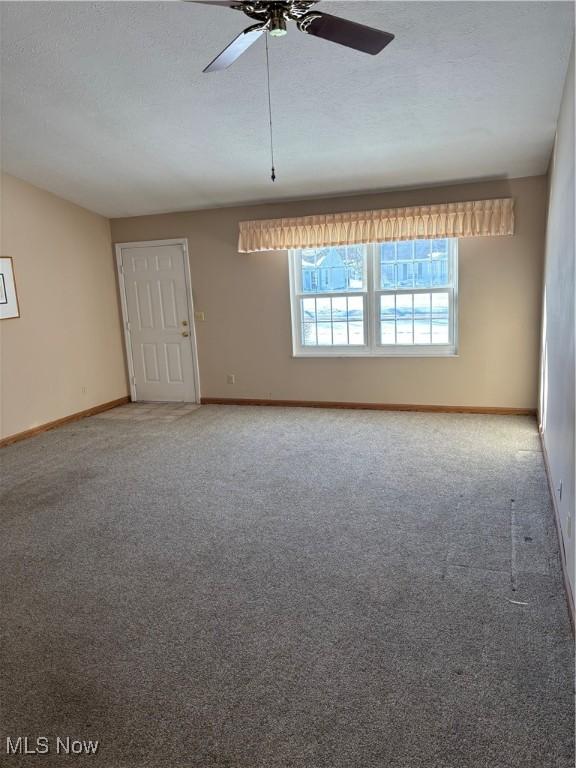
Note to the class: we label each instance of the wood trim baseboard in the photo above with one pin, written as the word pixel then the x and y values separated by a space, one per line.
pixel 64 420
pixel 567 585
pixel 370 406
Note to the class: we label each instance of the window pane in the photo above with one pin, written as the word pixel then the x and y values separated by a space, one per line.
pixel 414 263
pixel 356 320
pixel 440 318
pixel 422 318
pixel 339 309
pixel 422 329
pixel 388 307
pixel 422 274
pixel 440 303
pixel 355 308
pixel 324 309
pixel 419 264
pixel 439 248
pixel 422 303
pixel 326 270
pixel 309 279
pixel 309 334
pixel 422 249
pixel 387 275
pixel 388 252
pixel 324 331
pixel 340 333
pixel 337 321
pixel 308 310
pixel 388 332
pixel 405 275
pixel 415 318
pixel 356 331
pixel 404 331
pixel 439 272
pixel 404 250
pixel 404 304
pixel 404 318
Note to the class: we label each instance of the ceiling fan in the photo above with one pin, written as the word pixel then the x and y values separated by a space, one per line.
pixel 272 16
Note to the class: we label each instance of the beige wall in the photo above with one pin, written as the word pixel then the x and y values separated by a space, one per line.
pixel 245 299
pixel 68 336
pixel 557 363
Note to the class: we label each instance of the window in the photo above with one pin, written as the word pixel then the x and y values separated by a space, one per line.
pixel 385 299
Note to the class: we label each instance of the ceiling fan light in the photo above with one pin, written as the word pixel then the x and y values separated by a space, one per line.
pixel 277 25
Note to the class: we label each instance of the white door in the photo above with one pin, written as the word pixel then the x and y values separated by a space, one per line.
pixel 157 308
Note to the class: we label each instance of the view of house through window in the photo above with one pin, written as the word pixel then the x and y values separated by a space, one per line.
pixel 389 298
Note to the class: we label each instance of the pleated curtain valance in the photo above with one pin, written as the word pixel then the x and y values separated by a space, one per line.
pixel 467 219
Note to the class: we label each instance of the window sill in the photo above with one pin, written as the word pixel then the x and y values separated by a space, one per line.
pixel 383 352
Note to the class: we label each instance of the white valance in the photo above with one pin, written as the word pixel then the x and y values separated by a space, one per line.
pixel 467 219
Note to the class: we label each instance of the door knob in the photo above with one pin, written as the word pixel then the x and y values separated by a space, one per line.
pixel 185 333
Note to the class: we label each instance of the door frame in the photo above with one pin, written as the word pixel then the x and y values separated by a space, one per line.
pixel 183 243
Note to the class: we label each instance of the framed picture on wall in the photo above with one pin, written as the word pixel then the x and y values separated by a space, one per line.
pixel 8 297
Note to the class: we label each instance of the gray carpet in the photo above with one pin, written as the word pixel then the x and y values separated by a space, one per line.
pixel 285 588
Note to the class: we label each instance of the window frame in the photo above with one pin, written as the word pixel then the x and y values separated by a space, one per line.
pixel 371 300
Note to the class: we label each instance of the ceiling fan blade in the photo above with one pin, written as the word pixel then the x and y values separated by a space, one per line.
pixel 345 32
pixel 236 48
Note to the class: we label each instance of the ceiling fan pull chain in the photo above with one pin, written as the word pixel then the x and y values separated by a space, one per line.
pixel 273 174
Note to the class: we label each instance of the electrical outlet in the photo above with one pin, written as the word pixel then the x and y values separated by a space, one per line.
pixel 230 378
pixel 84 390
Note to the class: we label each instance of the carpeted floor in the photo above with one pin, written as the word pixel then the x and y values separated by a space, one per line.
pixel 285 588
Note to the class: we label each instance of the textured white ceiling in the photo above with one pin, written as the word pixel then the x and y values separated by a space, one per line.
pixel 105 104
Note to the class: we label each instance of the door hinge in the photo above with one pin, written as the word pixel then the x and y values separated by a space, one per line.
pixel 133 379
pixel 121 267
pixel 127 325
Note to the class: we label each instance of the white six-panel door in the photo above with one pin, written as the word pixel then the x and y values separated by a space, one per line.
pixel 158 320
